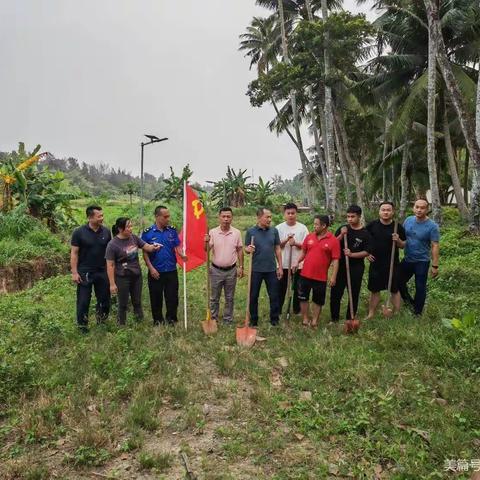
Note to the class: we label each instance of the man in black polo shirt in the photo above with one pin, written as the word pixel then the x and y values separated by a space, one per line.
pixel 266 250
pixel 87 262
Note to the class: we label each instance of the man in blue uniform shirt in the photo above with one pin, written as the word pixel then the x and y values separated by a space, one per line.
pixel 162 267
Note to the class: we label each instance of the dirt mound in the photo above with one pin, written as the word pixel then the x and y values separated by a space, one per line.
pixel 23 275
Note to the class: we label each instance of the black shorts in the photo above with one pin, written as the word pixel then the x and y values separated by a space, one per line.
pixel 378 277
pixel 318 288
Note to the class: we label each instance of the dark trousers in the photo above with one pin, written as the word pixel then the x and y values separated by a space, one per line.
pixel 129 285
pixel 99 282
pixel 166 286
pixel 271 281
pixel 336 294
pixel 282 290
pixel 406 271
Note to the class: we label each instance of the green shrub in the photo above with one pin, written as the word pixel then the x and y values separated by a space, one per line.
pixel 158 461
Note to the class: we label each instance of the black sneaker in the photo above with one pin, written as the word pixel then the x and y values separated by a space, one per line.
pixel 83 329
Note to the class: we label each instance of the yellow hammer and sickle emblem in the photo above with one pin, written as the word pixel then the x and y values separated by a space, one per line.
pixel 197 209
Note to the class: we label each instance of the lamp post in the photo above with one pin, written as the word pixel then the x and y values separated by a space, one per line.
pixel 152 139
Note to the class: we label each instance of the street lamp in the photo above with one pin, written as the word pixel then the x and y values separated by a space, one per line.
pixel 152 139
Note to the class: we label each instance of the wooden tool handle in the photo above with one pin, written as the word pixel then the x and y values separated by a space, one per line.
pixel 208 276
pixel 349 280
pixel 249 284
pixel 392 260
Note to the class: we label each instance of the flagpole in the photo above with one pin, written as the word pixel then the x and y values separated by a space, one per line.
pixel 184 252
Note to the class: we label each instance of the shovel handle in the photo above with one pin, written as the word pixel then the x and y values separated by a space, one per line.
pixel 289 282
pixel 392 260
pixel 208 277
pixel 349 280
pixel 249 284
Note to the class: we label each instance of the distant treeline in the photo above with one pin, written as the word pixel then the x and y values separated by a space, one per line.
pixel 102 179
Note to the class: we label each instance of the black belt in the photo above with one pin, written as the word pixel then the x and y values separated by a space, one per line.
pixel 225 269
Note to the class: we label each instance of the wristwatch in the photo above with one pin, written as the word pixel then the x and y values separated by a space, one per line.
pixel 435 266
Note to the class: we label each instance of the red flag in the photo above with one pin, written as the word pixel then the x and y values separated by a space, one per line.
pixel 195 226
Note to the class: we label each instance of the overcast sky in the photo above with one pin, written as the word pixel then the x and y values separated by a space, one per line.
pixel 87 78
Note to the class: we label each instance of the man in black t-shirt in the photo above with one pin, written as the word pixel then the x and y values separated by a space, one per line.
pixel 382 232
pixel 87 262
pixel 359 241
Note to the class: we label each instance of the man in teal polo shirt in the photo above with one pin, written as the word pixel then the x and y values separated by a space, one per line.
pixel 267 264
pixel 162 267
pixel 423 237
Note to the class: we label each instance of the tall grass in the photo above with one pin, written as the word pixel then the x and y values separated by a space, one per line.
pixel 23 238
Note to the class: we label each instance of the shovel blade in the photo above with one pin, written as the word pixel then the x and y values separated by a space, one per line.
pixel 355 325
pixel 387 311
pixel 351 326
pixel 246 336
pixel 209 327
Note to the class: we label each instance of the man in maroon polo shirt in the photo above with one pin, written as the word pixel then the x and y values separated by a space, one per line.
pixel 320 250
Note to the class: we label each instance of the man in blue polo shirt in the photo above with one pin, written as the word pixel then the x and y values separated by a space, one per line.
pixel 267 264
pixel 162 267
pixel 423 237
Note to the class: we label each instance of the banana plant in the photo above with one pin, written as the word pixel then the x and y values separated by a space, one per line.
pixel 13 173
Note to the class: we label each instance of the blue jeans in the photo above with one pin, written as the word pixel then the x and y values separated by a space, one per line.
pixel 271 281
pixel 406 271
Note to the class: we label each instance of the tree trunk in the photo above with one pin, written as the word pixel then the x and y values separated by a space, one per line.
pixel 392 176
pixel 385 149
pixel 352 165
pixel 466 122
pixel 466 168
pixel 404 180
pixel 309 10
pixel 293 103
pixel 343 163
pixel 475 204
pixel 329 136
pixel 452 166
pixel 320 152
pixel 316 136
pixel 432 83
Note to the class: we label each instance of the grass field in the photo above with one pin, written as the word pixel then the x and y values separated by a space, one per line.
pixel 396 401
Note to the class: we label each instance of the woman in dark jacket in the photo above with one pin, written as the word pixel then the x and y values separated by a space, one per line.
pixel 123 267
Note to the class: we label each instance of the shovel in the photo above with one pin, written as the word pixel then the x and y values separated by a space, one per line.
pixel 352 325
pixel 387 308
pixel 209 326
pixel 289 285
pixel 246 335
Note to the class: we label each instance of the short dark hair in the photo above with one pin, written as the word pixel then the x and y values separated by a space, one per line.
pixel 387 203
pixel 159 209
pixel 225 209
pixel 355 209
pixel 120 224
pixel 290 206
pixel 90 209
pixel 324 219
pixel 423 200
pixel 261 211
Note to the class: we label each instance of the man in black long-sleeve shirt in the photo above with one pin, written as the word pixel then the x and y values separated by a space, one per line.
pixel 359 240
